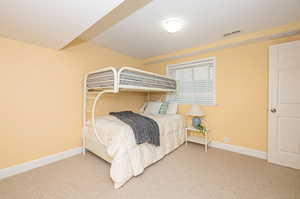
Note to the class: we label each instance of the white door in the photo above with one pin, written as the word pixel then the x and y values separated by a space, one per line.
pixel 284 104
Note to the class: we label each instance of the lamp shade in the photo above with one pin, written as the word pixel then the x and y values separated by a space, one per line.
pixel 196 111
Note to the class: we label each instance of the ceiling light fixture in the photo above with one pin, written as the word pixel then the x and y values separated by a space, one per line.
pixel 172 25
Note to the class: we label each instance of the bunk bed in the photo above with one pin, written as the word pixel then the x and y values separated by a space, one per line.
pixel 113 140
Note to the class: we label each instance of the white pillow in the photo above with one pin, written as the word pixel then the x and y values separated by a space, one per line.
pixel 152 108
pixel 142 109
pixel 172 108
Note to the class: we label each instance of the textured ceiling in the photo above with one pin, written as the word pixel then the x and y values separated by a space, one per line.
pixel 50 23
pixel 141 34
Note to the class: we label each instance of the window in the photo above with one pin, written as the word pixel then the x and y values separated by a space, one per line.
pixel 195 82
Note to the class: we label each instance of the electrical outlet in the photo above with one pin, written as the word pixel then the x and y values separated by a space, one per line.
pixel 226 139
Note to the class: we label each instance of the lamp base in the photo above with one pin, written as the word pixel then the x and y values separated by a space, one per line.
pixel 196 121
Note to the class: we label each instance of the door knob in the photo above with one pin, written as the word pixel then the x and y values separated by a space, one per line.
pixel 273 110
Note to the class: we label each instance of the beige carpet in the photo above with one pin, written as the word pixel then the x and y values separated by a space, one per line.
pixel 187 173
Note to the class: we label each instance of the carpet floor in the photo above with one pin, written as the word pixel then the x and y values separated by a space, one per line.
pixel 187 173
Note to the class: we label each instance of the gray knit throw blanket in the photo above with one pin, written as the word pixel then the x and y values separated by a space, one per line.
pixel 145 129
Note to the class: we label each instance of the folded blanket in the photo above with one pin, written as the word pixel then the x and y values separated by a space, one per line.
pixel 145 129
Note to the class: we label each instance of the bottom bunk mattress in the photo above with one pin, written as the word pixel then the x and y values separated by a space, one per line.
pixel 119 146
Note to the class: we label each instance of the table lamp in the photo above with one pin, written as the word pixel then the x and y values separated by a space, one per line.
pixel 196 112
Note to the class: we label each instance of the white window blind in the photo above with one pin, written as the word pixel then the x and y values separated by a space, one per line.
pixel 195 82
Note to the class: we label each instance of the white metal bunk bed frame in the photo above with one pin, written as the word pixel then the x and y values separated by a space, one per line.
pixel 116 88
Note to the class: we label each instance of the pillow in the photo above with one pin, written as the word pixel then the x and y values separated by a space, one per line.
pixel 172 108
pixel 163 108
pixel 142 109
pixel 152 108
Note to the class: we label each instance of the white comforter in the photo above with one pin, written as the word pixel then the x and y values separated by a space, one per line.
pixel 130 159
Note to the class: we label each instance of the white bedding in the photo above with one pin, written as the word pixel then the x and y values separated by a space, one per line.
pixel 129 159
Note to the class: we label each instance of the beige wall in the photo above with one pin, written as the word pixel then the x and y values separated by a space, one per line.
pixel 41 97
pixel 242 93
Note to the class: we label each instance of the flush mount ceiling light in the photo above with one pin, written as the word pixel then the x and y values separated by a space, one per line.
pixel 172 25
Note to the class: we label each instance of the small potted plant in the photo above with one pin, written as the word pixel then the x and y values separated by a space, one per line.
pixel 203 129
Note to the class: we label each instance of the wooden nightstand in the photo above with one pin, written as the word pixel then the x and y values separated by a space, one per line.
pixel 206 137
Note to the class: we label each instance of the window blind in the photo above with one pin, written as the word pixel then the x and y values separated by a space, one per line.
pixel 195 82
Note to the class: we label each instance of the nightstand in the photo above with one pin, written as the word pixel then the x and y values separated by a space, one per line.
pixel 206 137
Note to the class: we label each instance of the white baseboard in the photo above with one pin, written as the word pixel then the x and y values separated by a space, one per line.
pixel 229 147
pixel 20 168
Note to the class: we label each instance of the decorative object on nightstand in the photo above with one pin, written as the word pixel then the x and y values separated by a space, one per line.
pixel 203 129
pixel 196 112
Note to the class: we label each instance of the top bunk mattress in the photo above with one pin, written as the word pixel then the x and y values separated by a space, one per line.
pixel 128 78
